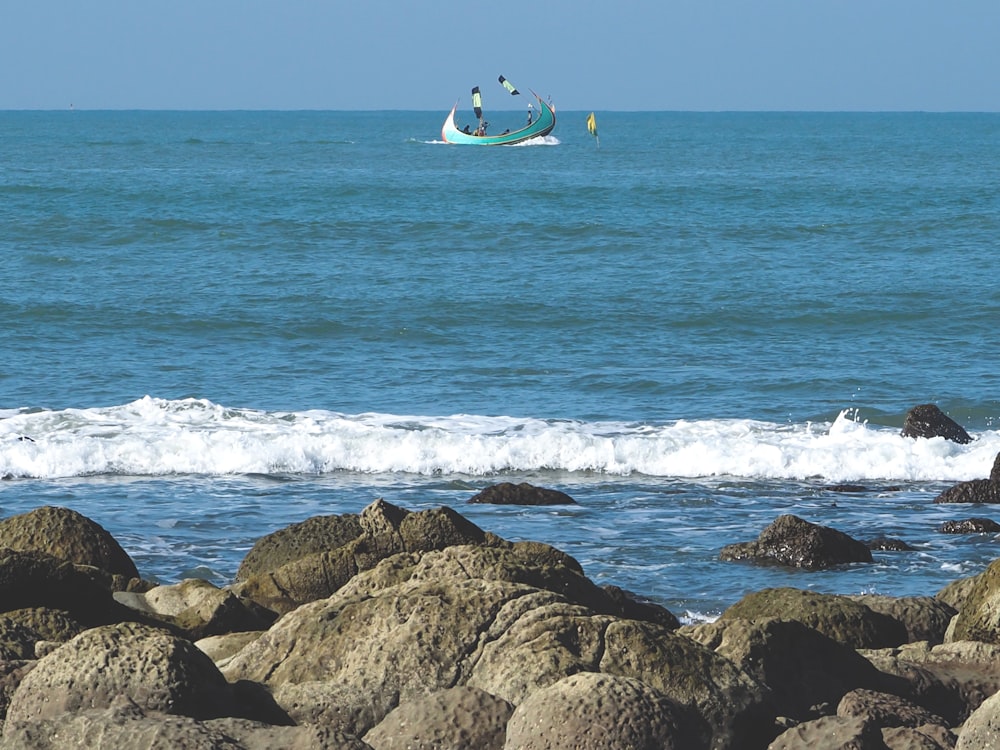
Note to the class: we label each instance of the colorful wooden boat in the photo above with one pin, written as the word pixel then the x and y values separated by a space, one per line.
pixel 542 124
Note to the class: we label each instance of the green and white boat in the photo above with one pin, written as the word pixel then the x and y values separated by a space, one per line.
pixel 541 123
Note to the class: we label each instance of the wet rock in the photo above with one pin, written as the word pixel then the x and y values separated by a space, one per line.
pixel 970 526
pixel 508 493
pixel 155 669
pixel 791 541
pixel 590 711
pixel 975 490
pixel 888 544
pixel 838 617
pixel 460 717
pixel 928 421
pixel 67 535
pixel 803 667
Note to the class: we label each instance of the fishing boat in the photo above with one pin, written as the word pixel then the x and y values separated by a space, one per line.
pixel 541 123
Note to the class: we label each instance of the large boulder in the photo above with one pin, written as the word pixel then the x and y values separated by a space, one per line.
pixel 589 711
pixel 928 421
pixel 838 617
pixel 124 724
pixel 925 618
pixel 508 493
pixel 349 660
pixel 158 671
pixel 979 616
pixel 67 535
pixel 804 668
pixel 791 541
pixel 34 579
pixel 982 728
pixel 386 530
pixel 312 536
pixel 950 679
pixel 459 717
pixel 975 490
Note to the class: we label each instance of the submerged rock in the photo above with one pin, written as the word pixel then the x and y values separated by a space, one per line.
pixel 508 493
pixel 975 490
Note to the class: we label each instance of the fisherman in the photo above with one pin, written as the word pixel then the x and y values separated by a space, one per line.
pixel 531 112
pixel 467 130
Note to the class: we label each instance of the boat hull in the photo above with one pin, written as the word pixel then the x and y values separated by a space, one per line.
pixel 542 125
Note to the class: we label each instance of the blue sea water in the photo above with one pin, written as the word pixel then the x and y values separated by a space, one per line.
pixel 215 324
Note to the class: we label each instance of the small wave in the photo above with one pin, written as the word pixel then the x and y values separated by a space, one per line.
pixel 152 436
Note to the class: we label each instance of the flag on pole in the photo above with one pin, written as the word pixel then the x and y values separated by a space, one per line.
pixel 592 127
pixel 509 86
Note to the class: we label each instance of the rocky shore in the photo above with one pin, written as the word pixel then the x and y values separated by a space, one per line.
pixel 395 629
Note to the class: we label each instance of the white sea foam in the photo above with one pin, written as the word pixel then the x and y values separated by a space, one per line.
pixel 156 437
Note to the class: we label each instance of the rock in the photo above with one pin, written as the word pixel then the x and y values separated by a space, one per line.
pixel 33 579
pixel 124 724
pixel 803 667
pixel 928 421
pixel 460 717
pixel 508 493
pixel 588 711
pixel 198 607
pixel 838 617
pixel 312 536
pixel 956 592
pixel 982 729
pixel 386 530
pixel 350 659
pixel 798 543
pixel 12 672
pixel 950 679
pixel 888 544
pixel 831 733
pixel 925 618
pixel 67 535
pixel 221 648
pixel 22 629
pixel 924 737
pixel 970 526
pixel 985 491
pixel 979 615
pixel 155 669
pixel 885 709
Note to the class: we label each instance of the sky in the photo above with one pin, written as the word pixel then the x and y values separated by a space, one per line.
pixel 617 55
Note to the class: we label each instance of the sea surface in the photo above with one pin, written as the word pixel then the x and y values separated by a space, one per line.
pixel 216 324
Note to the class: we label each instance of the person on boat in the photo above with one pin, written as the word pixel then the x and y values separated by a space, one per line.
pixel 467 130
pixel 481 130
pixel 531 112
pixel 505 132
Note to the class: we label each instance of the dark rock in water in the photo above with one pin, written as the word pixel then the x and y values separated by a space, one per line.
pixel 975 490
pixel 847 488
pixel 68 535
pixel 928 421
pixel 508 493
pixel 970 526
pixel 798 543
pixel 888 544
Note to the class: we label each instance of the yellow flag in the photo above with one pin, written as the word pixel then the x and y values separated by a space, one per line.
pixel 592 124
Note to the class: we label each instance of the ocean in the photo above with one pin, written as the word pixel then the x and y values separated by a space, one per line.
pixel 216 324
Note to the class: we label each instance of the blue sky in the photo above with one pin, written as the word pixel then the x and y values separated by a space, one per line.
pixel 584 54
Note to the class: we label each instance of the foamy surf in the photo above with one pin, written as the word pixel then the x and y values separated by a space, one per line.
pixel 155 437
